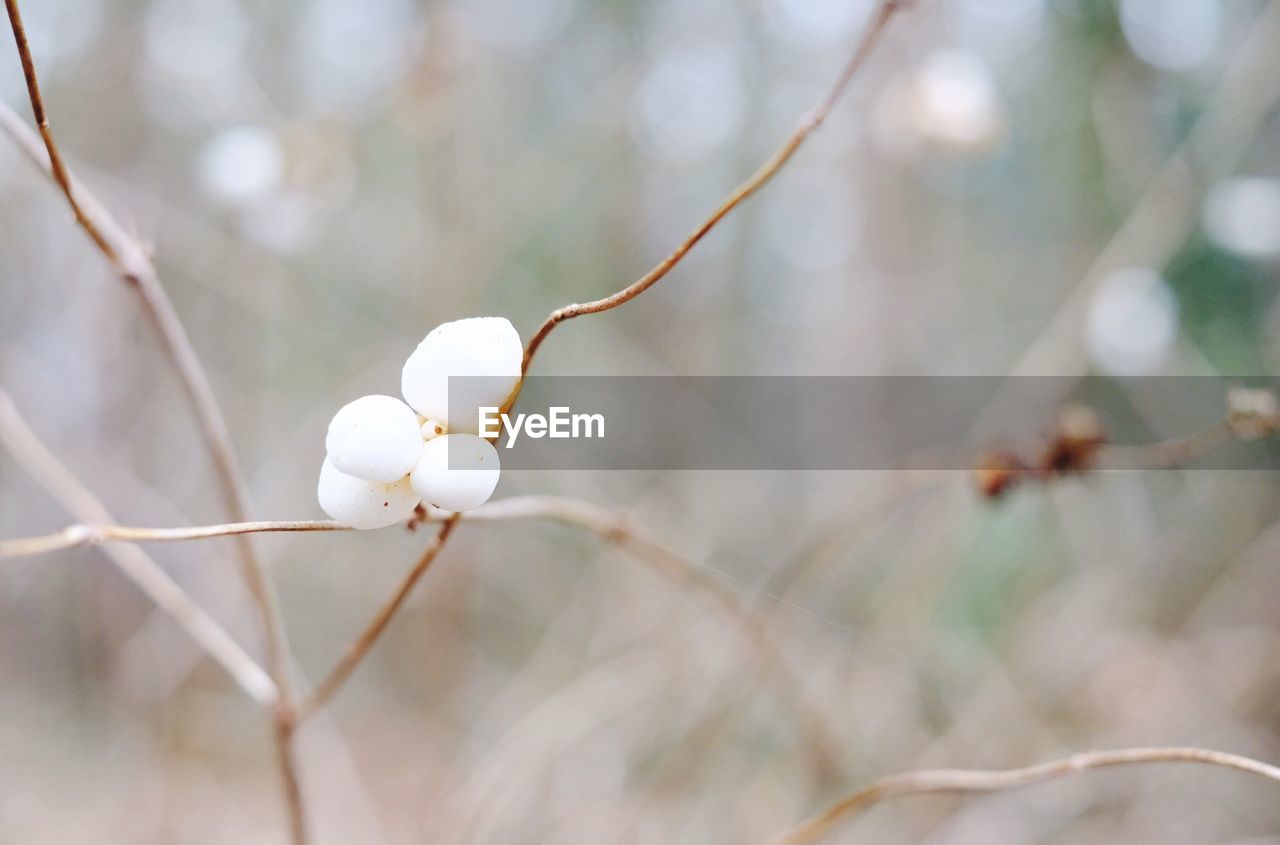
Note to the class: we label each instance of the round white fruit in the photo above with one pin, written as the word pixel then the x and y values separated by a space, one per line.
pixel 376 438
pixel 364 504
pixel 482 354
pixel 456 472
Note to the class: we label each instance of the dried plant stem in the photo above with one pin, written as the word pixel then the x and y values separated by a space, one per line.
pixel 1163 454
pixel 355 653
pixel 56 166
pixel 611 526
pixel 325 690
pixel 1168 454
pixel 972 781
pixel 284 725
pixel 87 534
pixel 28 450
pixel 808 125
pixel 602 521
pixel 134 266
pixel 607 524
pixel 794 693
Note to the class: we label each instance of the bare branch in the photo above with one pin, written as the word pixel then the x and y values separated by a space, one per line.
pixel 561 509
pixel 607 523
pixel 755 182
pixel 131 262
pixel 133 265
pixel 85 534
pixel 977 781
pixel 615 528
pixel 1077 444
pixel 355 653
pixel 56 166
pixel 1168 454
pixel 1163 454
pixel 27 449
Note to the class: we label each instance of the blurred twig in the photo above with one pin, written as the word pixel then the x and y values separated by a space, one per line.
pixel 56 166
pixel 133 265
pixel 972 781
pixel 360 647
pixel 27 449
pixel 1238 425
pixel 90 534
pixel 1167 211
pixel 350 659
pixel 611 526
pixel 1168 454
pixel 604 522
pixel 614 527
pixel 1252 414
pixel 1077 444
pixel 808 124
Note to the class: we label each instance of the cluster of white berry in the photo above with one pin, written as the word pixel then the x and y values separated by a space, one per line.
pixel 385 457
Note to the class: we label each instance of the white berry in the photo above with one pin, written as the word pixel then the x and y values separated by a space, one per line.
pixel 364 504
pixel 375 438
pixel 480 346
pixel 456 472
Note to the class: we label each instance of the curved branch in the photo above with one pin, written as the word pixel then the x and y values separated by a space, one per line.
pixel 808 125
pixel 614 527
pixel 132 264
pixel 90 534
pixel 139 567
pixel 557 508
pixel 356 651
pixel 56 166
pixel 976 781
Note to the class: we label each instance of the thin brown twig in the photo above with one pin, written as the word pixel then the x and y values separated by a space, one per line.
pixel 284 725
pixel 131 262
pixel 670 564
pixel 790 686
pixel 613 527
pixel 134 266
pixel 31 453
pixel 808 125
pixel 56 165
pixel 86 534
pixel 1077 445
pixel 977 781
pixel 1161 454
pixel 140 272
pixel 606 523
pixel 1169 454
pixel 334 680
pixel 325 690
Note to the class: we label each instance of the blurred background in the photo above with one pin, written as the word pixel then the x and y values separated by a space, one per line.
pixel 325 180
